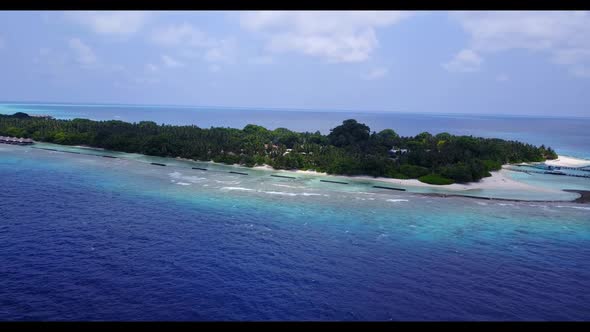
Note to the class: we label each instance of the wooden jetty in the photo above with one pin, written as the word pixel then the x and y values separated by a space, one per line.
pixel 389 188
pixel 555 168
pixel 238 173
pixel 330 181
pixel 109 157
pixel 200 169
pixel 158 164
pixel 549 172
pixel 283 176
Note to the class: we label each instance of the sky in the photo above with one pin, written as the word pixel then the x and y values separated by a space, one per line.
pixel 519 63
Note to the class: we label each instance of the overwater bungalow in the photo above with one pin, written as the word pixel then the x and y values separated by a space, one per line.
pixel 15 140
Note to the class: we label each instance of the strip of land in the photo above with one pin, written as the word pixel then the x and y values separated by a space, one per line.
pixel 565 161
pixel 499 180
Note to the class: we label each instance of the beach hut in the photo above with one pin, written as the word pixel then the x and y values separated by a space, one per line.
pixel 395 151
pixel 15 140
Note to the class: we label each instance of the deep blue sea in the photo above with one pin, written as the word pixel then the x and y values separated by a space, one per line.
pixel 89 238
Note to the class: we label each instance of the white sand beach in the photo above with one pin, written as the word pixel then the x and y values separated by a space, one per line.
pixel 269 168
pixel 87 147
pixel 568 162
pixel 498 180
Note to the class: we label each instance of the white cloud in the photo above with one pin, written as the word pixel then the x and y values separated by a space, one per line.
pixel 464 61
pixel 179 35
pixel 562 35
pixel 146 80
pixel 171 62
pixel 191 42
pixel 214 68
pixel 375 73
pixel 121 23
pixel 150 67
pixel 223 50
pixel 571 56
pixel 580 71
pixel 347 36
pixel 339 48
pixel 50 58
pixel 44 51
pixel 502 78
pixel 83 53
pixel 262 60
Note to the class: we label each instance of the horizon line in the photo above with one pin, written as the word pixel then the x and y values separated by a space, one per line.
pixel 284 109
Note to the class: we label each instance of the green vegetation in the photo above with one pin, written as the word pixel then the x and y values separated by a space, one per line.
pixel 435 179
pixel 349 149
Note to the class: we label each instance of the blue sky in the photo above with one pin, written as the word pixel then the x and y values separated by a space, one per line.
pixel 449 62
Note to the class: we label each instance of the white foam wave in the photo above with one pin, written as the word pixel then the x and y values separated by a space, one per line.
pixel 397 200
pixel 481 203
pixel 189 178
pixel 237 188
pixel 183 183
pixel 283 193
pixel 287 186
pixel 574 207
pixel 279 193
pixel 227 182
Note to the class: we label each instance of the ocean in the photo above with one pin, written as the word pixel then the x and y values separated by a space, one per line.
pixel 89 238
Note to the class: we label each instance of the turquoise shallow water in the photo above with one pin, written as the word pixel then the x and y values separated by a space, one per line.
pixel 259 182
pixel 86 237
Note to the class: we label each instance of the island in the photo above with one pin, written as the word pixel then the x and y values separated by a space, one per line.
pixel 349 149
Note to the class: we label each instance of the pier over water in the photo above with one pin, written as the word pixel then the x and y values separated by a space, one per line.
pixel 16 140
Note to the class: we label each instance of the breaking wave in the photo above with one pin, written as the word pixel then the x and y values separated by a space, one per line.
pixel 237 188
pixel 574 207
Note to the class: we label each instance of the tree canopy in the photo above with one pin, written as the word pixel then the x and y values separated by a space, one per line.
pixel 349 149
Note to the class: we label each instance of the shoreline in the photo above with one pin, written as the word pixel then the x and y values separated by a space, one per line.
pixel 88 147
pixel 499 180
pixel 565 161
pixel 583 199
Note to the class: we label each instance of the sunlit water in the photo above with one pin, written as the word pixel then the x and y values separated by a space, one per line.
pixel 86 237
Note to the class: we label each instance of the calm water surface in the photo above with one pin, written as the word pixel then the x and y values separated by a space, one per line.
pixel 91 238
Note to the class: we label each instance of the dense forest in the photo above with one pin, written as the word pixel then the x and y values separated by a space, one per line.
pixel 349 149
